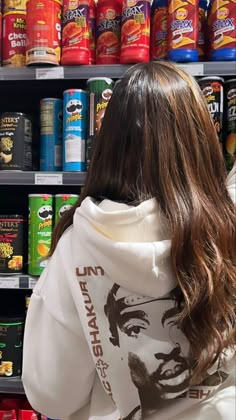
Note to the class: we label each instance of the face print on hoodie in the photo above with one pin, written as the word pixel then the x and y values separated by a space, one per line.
pixel 159 371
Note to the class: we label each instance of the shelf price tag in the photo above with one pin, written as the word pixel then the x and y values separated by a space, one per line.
pixel 32 282
pixel 48 179
pixel 50 73
pixel 9 283
pixel 196 69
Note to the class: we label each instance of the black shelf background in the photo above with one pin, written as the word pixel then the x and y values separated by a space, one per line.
pixel 11 386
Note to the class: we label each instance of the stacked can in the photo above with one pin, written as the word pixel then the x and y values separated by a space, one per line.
pixel 63 203
pixel 51 118
pixel 40 231
pixel 100 90
pixel 230 141
pixel 14 33
pixel 92 32
pixel 75 127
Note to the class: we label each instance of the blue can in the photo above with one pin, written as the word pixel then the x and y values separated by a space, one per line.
pixel 75 129
pixel 51 118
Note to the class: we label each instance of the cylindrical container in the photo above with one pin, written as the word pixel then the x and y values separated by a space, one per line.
pixel 212 89
pixel 11 335
pixel 0 37
pixel 183 20
pixel 159 15
pixel 230 141
pixel 108 22
pixel 40 231
pixel 13 5
pixel 100 90
pixel 11 244
pixel 75 32
pixel 14 39
pixel 43 41
pixel 222 22
pixel 135 31
pixel 63 203
pixel 202 28
pixel 8 414
pixel 15 141
pixel 92 32
pixel 75 127
pixel 51 119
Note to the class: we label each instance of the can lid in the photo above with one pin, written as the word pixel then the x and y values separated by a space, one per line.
pixel 11 216
pixel 40 195
pixel 51 99
pixel 217 78
pixel 14 113
pixel 100 79
pixel 66 195
pixel 230 81
pixel 71 91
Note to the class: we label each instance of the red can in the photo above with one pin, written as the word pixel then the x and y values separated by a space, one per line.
pixel 159 18
pixel 108 20
pixel 43 42
pixel 92 32
pixel 135 31
pixel 0 38
pixel 75 32
pixel 14 39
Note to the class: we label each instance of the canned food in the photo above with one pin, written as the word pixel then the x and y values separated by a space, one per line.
pixel 40 231
pixel 43 41
pixel 75 114
pixel 230 142
pixel 13 5
pixel 100 89
pixel 14 39
pixel 15 141
pixel 63 203
pixel 51 118
pixel 11 244
pixel 212 89
pixel 11 332
pixel 75 32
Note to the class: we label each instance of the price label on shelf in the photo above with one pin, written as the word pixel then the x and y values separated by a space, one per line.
pixel 50 73
pixel 196 69
pixel 9 282
pixel 48 179
pixel 32 282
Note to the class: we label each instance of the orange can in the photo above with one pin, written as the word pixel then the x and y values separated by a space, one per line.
pixel 43 41
pixel 14 39
pixel 14 5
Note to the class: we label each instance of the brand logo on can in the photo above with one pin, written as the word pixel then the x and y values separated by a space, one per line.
pixel 181 14
pixel 222 13
pixel 45 213
pixel 74 107
pixel 231 94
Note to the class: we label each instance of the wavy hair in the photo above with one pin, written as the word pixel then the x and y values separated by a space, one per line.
pixel 158 140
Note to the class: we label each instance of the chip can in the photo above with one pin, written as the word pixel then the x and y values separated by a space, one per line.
pixel 75 126
pixel 14 39
pixel 43 41
pixel 11 332
pixel 212 89
pixel 40 231
pixel 51 118
pixel 13 5
pixel 230 142
pixel 11 244
pixel 63 203
pixel 15 141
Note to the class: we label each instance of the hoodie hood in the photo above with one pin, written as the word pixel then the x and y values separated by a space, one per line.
pixel 132 242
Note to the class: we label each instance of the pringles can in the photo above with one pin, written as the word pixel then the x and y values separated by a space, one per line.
pixel 15 141
pixel 40 231
pixel 212 89
pixel 14 39
pixel 100 90
pixel 75 127
pixel 11 244
pixel 43 41
pixel 230 141
pixel 63 203
pixel 51 120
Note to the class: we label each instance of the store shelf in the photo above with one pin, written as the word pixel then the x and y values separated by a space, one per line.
pixel 42 178
pixel 23 281
pixel 11 386
pixel 211 68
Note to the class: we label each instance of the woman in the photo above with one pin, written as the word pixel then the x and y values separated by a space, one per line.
pixel 134 315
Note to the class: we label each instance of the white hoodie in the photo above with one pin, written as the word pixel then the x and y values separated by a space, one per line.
pixel 100 342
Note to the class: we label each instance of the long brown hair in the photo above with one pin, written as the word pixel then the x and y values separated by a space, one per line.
pixel 158 140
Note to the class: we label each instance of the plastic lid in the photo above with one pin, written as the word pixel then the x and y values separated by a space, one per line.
pixel 100 79
pixel 217 78
pixel 230 81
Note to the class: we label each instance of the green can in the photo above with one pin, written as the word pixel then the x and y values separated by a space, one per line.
pixel 63 203
pixel 40 231
pixel 100 89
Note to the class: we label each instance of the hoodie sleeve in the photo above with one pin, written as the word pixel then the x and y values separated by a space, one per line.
pixel 231 183
pixel 58 370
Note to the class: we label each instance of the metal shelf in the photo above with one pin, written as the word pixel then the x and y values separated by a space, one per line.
pixel 11 386
pixel 42 178
pixel 21 281
pixel 115 71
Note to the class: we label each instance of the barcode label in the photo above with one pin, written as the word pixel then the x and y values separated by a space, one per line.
pixel 39 53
